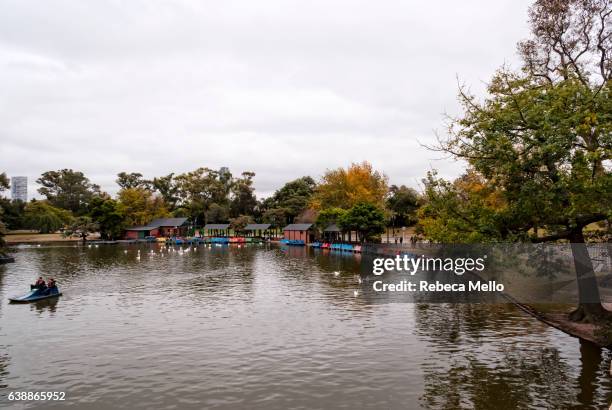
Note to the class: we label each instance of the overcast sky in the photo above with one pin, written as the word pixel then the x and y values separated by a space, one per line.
pixel 283 88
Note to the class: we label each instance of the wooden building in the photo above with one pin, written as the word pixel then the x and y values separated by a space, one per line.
pixel 216 230
pixel 299 232
pixel 161 227
pixel 257 230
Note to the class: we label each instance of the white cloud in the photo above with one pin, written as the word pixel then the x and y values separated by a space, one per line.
pixel 283 88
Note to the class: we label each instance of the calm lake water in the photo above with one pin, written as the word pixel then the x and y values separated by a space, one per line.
pixel 262 327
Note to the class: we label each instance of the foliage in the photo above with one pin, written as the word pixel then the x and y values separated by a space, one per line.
pixel 11 213
pixel 167 188
pixel 217 214
pixel 329 216
pixel 82 227
pixel 243 201
pixel 140 206
pixel 108 216
pixel 469 210
pixel 67 189
pixel 343 188
pixel 290 200
pixel 4 182
pixel 403 202
pixel 199 189
pixel 276 217
pixel 131 180
pixel 542 139
pixel 44 217
pixel 238 223
pixel 367 219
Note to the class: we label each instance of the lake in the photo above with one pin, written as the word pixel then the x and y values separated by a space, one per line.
pixel 266 327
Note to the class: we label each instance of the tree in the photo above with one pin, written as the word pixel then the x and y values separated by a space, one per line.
pixel 293 198
pixel 67 189
pixel 468 210
pixel 217 214
pixel 199 189
pixel 543 137
pixel 367 219
pixel 140 206
pixel 243 201
pixel 276 217
pixel 11 213
pixel 45 218
pixel 106 213
pixel 344 188
pixel 329 216
pixel 238 223
pixel 132 180
pixel 167 188
pixel 4 184
pixel 403 202
pixel 82 227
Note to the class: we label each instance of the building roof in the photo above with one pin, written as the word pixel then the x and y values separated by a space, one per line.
pixel 332 228
pixel 141 228
pixel 167 222
pixel 159 222
pixel 216 226
pixel 297 227
pixel 256 227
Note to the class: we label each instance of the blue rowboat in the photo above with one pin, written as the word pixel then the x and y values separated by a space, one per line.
pixel 37 294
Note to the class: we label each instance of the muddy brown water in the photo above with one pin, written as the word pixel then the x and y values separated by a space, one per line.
pixel 262 327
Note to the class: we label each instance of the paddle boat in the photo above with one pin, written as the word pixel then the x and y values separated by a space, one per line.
pixel 36 294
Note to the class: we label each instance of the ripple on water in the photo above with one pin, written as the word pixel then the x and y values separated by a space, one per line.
pixel 259 328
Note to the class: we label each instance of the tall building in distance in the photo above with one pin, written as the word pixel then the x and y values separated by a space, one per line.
pixel 19 188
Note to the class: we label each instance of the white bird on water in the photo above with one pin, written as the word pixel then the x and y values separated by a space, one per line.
pixel 355 293
pixel 336 273
pixel 360 280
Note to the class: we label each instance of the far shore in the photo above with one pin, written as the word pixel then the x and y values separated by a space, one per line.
pixel 17 237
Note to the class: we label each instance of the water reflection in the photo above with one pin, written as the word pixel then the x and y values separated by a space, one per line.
pixel 265 327
pixel 482 351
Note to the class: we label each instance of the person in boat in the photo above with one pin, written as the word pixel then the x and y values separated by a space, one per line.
pixel 40 283
pixel 51 284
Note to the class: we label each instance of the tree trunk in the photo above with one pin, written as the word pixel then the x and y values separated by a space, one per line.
pixel 589 309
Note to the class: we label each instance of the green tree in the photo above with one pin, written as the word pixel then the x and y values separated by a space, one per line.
pixel 367 219
pixel 343 188
pixel 81 227
pixel 45 218
pixel 217 214
pixel 12 213
pixel 293 198
pixel 67 189
pixel 468 210
pixel 276 217
pixel 329 216
pixel 167 188
pixel 132 180
pixel 140 206
pixel 238 223
pixel 403 202
pixel 107 214
pixel 4 184
pixel 199 189
pixel 543 136
pixel 243 200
